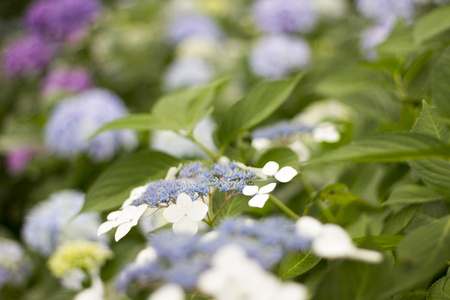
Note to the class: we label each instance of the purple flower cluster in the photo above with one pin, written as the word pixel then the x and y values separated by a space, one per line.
pixel 181 258
pixel 67 80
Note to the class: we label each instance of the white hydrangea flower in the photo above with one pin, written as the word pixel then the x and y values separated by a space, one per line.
pixel 285 174
pixel 260 195
pixel 331 241
pixel 168 292
pixel 147 255
pixel 186 214
pixel 96 291
pixel 135 194
pixel 326 132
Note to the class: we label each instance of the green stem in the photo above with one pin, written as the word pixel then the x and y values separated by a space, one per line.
pixel 213 155
pixel 283 207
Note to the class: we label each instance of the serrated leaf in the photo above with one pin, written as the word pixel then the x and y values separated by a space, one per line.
pixel 398 221
pixel 434 171
pixel 432 24
pixel 389 147
pixel 113 187
pixel 338 193
pixel 296 264
pixel 440 290
pixel 411 194
pixel 440 89
pixel 255 107
pixel 422 254
pixel 282 155
pixel 385 242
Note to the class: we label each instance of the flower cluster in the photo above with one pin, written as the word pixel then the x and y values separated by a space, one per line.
pixel 51 223
pixel 15 266
pixel 67 80
pixel 75 119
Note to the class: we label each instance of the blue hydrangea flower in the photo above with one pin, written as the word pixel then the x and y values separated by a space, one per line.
pixel 193 25
pixel 27 56
pixel 50 224
pixel 15 266
pixel 67 80
pixel 75 119
pixel 60 20
pixel 280 129
pixel 229 178
pixel 278 55
pixel 187 72
pixel 386 10
pixel 278 16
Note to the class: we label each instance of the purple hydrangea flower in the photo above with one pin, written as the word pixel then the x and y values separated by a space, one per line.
pixel 278 16
pixel 276 56
pixel 27 56
pixel 15 266
pixel 50 224
pixel 188 72
pixel 384 10
pixel 17 159
pixel 75 119
pixel 193 25
pixel 67 80
pixel 60 20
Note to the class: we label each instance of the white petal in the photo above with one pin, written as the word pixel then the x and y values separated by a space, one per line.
pixel 171 173
pixel 105 227
pixel 261 143
pixel 168 292
pixel 114 215
pixel 270 168
pixel 147 255
pixel 173 214
pixel 250 190
pixel 137 192
pixel 184 202
pixel 285 174
pixel 198 210
pixel 139 211
pixel 307 227
pixel 122 230
pixel 258 200
pixel 333 242
pixel 293 291
pixel 127 213
pixel 370 256
pixel 267 188
pixel 186 225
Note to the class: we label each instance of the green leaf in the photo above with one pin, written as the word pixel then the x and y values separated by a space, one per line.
pixel 234 207
pixel 400 41
pixel 113 187
pixel 389 147
pixel 411 194
pixel 434 171
pixel 338 193
pixel 410 295
pixel 440 290
pixel 440 89
pixel 385 242
pixel 255 107
pixel 432 24
pixel 422 254
pixel 295 264
pixel 139 122
pixel 398 221
pixel 282 155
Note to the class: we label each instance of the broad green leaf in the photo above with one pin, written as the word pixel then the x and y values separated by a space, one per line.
pixel 400 41
pixel 398 221
pixel 434 171
pixel 389 147
pixel 139 122
pixel 283 156
pixel 113 187
pixel 234 207
pixel 296 264
pixel 432 24
pixel 347 280
pixel 385 242
pixel 410 295
pixel 338 193
pixel 411 194
pixel 255 107
pixel 440 290
pixel 422 254
pixel 440 89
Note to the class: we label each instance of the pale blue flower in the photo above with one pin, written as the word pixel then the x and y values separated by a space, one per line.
pixel 15 266
pixel 188 72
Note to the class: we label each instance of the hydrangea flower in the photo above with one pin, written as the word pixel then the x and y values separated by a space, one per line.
pixel 326 132
pixel 260 195
pixel 279 16
pixel 67 80
pixel 28 56
pixel 386 10
pixel 76 118
pixel 284 174
pixel 168 291
pixel 15 266
pixel 185 214
pixel 60 20
pixel 50 224
pixel 276 56
pixel 187 72
pixel 192 25
pixel 17 159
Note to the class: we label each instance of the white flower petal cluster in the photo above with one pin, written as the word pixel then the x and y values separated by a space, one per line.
pixel 235 276
pixel 331 241
pixel 168 292
pixel 285 174
pixel 260 195
pixel 185 214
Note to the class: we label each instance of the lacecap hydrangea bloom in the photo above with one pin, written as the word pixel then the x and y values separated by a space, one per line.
pixel 15 266
pixel 192 25
pixel 188 72
pixel 67 80
pixel 29 55
pixel 280 16
pixel 75 119
pixel 49 224
pixel 276 56
pixel 61 20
